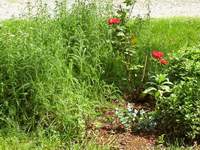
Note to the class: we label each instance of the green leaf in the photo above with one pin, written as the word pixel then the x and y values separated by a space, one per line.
pixel 165 88
pixel 167 83
pixel 149 90
pixel 120 34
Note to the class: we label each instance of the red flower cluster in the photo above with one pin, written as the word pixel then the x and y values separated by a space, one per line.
pixel 159 56
pixel 112 21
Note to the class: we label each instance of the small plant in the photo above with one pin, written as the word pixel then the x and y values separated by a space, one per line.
pixel 159 86
pixel 137 120
pixel 124 40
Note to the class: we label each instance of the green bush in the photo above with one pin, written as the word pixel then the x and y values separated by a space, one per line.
pixel 179 112
pixel 185 63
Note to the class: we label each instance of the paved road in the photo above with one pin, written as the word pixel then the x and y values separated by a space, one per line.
pixel 159 8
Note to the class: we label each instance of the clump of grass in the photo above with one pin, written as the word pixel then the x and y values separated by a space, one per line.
pixel 51 70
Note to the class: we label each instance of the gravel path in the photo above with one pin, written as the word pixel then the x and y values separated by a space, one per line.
pixel 159 8
pixel 170 8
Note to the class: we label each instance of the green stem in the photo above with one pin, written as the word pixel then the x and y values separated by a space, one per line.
pixel 145 68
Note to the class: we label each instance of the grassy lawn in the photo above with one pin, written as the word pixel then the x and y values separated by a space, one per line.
pixel 56 73
pixel 174 33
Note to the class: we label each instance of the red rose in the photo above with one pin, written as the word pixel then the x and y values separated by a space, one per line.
pixel 163 61
pixel 114 21
pixel 157 54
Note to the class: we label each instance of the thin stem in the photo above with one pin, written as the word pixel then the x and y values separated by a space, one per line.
pixel 146 58
pixel 145 67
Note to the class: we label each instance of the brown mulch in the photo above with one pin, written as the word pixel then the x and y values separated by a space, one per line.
pixel 108 131
pixel 125 141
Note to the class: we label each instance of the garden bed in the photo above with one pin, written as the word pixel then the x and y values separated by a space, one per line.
pixel 82 80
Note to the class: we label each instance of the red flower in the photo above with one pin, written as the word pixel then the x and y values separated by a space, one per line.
pixel 163 61
pixel 114 21
pixel 157 54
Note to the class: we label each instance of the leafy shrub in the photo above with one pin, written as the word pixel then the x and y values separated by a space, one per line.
pixel 159 86
pixel 180 111
pixel 185 63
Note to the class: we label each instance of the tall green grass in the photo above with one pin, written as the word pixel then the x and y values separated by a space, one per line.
pixel 54 73
pixel 50 72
